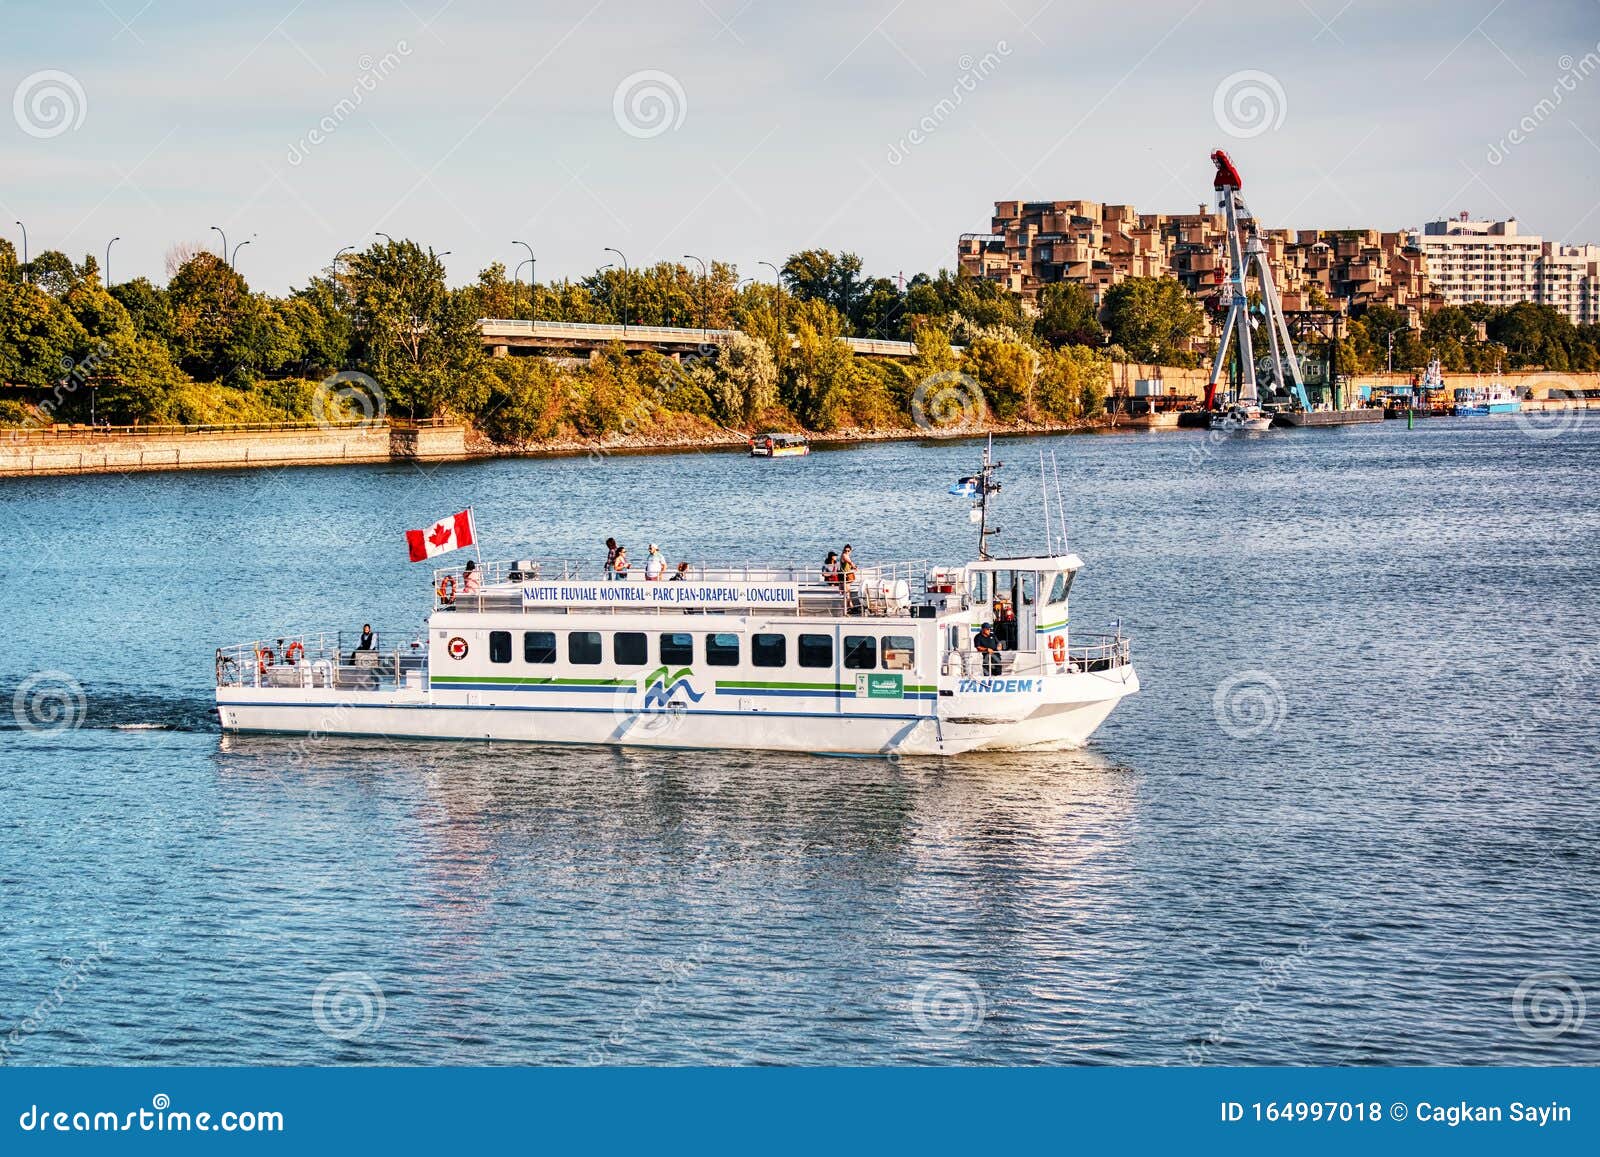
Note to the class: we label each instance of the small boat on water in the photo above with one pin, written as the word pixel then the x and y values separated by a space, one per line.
pixel 775 445
pixel 1242 417
pixel 1495 399
pixel 889 658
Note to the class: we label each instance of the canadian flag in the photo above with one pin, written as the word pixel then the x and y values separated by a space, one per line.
pixel 446 535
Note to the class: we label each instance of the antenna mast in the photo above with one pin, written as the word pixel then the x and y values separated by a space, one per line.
pixel 986 486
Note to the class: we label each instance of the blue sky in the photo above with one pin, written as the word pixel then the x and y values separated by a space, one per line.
pixel 786 125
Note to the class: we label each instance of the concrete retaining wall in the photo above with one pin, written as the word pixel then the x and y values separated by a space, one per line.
pixel 89 452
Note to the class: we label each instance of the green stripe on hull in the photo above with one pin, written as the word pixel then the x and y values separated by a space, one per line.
pixel 758 685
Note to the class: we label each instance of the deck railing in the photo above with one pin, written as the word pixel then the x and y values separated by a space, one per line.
pixel 1097 653
pixel 325 659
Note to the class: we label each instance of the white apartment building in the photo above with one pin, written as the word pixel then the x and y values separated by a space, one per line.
pixel 1569 280
pixel 1491 262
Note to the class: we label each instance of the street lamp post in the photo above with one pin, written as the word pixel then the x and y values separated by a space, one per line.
pixel 385 236
pixel 24 229
pixel 1390 363
pixel 109 244
pixel 333 269
pixel 626 275
pixel 783 324
pixel 533 276
pixel 224 237
pixel 233 261
pixel 705 281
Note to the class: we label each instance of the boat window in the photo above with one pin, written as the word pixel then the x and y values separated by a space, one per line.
pixel 538 646
pixel 769 650
pixel 816 650
pixel 630 648
pixel 860 652
pixel 677 648
pixel 1063 584
pixel 722 650
pixel 499 646
pixel 899 652
pixel 980 586
pixel 1025 583
pixel 583 646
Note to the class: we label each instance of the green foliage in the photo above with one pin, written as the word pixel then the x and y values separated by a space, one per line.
pixel 1068 315
pixel 1152 318
pixel 205 348
pixel 416 338
pixel 40 340
pixel 1072 384
pixel 523 400
pixel 1005 367
pixel 817 374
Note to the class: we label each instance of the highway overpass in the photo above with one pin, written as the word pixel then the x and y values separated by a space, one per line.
pixel 503 336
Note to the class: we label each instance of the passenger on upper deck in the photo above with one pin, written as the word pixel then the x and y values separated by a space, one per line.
pixel 682 574
pixel 847 576
pixel 654 565
pixel 619 563
pixel 471 578
pixel 830 567
pixel 368 642
pixel 611 558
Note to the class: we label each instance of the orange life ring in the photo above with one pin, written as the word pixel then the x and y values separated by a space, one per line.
pixel 447 589
pixel 264 658
pixel 1058 648
pixel 293 651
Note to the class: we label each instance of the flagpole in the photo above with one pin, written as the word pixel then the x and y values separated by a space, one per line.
pixel 473 522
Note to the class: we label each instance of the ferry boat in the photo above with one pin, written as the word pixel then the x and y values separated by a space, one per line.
pixel 1496 399
pixel 749 656
pixel 777 445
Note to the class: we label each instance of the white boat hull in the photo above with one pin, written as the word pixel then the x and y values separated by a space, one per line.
pixel 1053 711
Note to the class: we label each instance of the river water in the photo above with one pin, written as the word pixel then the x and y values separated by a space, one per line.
pixel 1351 818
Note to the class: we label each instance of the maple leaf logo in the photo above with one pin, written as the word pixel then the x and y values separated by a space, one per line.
pixel 441 534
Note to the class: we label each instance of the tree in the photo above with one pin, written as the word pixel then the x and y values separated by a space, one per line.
pixel 420 341
pixel 40 340
pixel 1005 367
pixel 1153 318
pixel 817 275
pixel 818 371
pixel 210 306
pixel 743 381
pixel 1068 315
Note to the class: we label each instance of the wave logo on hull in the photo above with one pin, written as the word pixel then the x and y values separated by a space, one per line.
pixel 660 687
